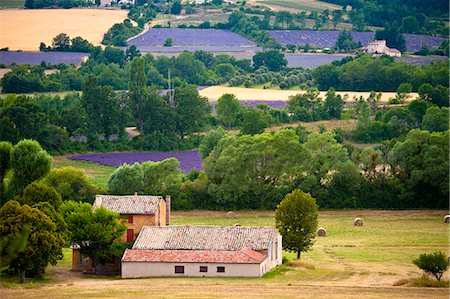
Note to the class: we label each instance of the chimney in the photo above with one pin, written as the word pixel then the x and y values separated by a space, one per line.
pixel 135 194
pixel 97 202
pixel 167 209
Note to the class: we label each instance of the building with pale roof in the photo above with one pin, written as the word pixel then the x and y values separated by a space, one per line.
pixel 379 47
pixel 137 211
pixel 222 251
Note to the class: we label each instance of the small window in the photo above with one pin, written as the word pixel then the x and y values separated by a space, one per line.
pixel 203 268
pixel 130 218
pixel 221 269
pixel 179 269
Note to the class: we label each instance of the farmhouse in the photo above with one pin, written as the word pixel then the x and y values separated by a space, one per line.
pixel 379 47
pixel 204 251
pixel 137 211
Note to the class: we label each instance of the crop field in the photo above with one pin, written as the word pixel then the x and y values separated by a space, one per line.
pixel 35 58
pixel 26 29
pixel 188 159
pixel 298 5
pixel 193 19
pixel 327 38
pixel 372 261
pixel 212 40
pixel 213 93
pixel 11 3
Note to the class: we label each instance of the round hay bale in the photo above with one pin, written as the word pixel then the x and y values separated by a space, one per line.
pixel 358 222
pixel 231 214
pixel 321 232
pixel 447 219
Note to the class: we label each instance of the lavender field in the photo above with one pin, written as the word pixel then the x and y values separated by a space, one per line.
pixel 188 159
pixel 212 40
pixel 35 58
pixel 327 38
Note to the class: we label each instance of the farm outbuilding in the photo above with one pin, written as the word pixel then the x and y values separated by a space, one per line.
pixel 205 251
pixel 137 211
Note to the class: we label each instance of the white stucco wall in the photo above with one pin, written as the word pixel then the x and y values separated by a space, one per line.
pixel 146 269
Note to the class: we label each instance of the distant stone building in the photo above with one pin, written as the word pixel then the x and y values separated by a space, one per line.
pixel 207 251
pixel 378 47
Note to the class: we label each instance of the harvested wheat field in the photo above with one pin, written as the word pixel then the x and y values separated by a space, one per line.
pixel 26 29
pixel 370 261
pixel 213 93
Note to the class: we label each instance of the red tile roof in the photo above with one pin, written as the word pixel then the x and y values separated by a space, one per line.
pixel 244 256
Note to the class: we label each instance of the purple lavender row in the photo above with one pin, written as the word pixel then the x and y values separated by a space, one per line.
pixel 190 37
pixel 35 58
pixel 327 38
pixel 188 159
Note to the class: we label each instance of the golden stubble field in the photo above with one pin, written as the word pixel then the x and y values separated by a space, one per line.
pixel 26 29
pixel 213 93
pixel 350 262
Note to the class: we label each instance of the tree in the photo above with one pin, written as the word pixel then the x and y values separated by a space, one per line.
pixel 44 243
pixel 5 160
pixel 345 41
pixel 254 171
pixel 37 192
pixel 333 104
pixel 163 177
pixel 168 42
pixel 210 141
pixel 422 163
pixel 435 119
pixel 435 263
pixel 274 60
pixel 191 110
pixel 126 179
pixel 71 183
pixel 228 108
pixel 29 163
pixel 410 24
pixel 93 230
pixel 137 94
pixel 296 220
pixel 61 42
pixel 176 8
pixel 254 121
pixel 102 108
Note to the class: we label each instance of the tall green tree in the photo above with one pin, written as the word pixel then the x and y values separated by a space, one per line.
pixel 137 88
pixel 255 171
pixel 254 121
pixel 163 177
pixel 228 108
pixel 44 243
pixel 274 60
pixel 126 179
pixel 333 104
pixel 29 162
pixel 296 220
pixel 5 160
pixel 94 231
pixel 191 110
pixel 422 163
pixel 71 183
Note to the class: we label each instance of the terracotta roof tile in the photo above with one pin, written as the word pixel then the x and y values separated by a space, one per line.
pixel 230 238
pixel 133 204
pixel 245 256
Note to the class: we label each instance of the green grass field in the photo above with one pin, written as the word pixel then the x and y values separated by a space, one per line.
pixel 12 3
pixel 304 5
pixel 97 174
pixel 350 262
